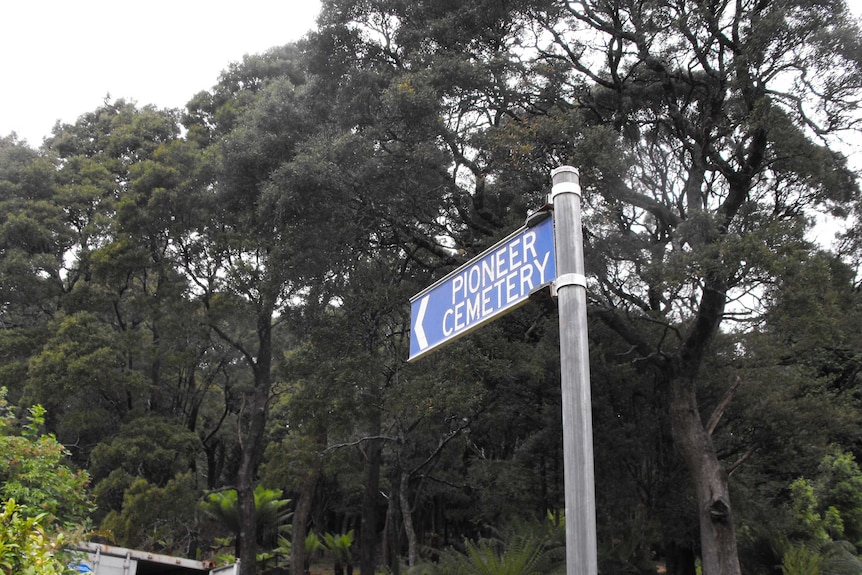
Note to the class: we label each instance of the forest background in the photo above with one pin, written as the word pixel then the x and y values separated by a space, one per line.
pixel 210 304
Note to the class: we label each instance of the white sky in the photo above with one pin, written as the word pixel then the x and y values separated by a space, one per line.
pixel 59 59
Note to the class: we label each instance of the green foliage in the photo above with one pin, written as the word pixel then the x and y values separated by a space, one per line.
pixel 829 507
pixel 155 517
pixel 339 546
pixel 153 447
pixel 271 512
pixel 34 470
pixel 284 546
pixel 523 549
pixel 524 556
pixel 83 377
pixel 221 555
pixel 841 479
pixel 827 558
pixel 38 492
pixel 223 506
pixel 25 547
pixel 800 560
pixel 817 526
pixel 313 544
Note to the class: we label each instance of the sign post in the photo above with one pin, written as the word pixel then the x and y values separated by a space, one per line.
pixel 499 280
pixel 571 286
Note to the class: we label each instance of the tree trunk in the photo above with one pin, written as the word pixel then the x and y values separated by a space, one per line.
pixel 391 543
pixel 680 560
pixel 252 445
pixel 245 486
pixel 412 544
pixel 247 540
pixel 717 533
pixel 251 450
pixel 302 512
pixel 370 497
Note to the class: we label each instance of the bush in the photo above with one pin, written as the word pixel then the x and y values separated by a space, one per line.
pixel 25 548
pixel 34 471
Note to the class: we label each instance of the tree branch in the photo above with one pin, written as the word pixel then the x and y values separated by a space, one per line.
pixel 624 329
pixel 722 407
pixel 745 457
pixel 359 441
pixel 465 423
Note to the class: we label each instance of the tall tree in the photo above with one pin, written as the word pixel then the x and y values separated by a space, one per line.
pixel 269 243
pixel 34 240
pixel 724 110
pixel 124 352
pixel 121 173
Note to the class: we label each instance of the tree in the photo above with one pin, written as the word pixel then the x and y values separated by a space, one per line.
pixel 720 109
pixel 34 238
pixel 121 174
pixel 150 459
pixel 127 359
pixel 266 246
pixel 160 518
pixel 81 375
pixel 408 172
pixel 792 406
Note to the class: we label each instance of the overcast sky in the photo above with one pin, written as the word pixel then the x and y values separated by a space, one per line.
pixel 59 59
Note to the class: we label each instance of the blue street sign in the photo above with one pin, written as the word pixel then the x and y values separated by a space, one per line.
pixel 495 282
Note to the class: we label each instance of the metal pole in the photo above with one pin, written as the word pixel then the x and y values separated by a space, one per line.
pixel 581 546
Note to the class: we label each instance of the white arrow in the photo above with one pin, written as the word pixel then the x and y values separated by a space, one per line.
pixel 417 327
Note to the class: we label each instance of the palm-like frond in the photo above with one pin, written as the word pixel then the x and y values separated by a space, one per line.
pixel 271 512
pixel 339 545
pixel 524 550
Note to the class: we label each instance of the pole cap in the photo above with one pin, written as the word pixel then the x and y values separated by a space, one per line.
pixel 565 180
pixel 565 174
